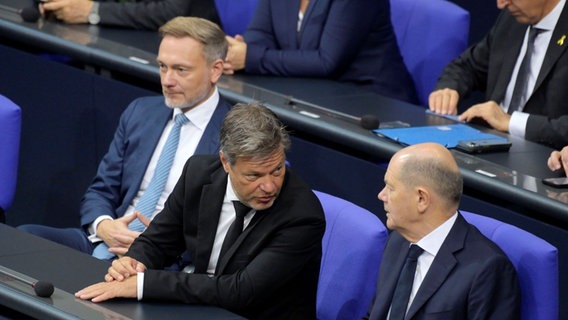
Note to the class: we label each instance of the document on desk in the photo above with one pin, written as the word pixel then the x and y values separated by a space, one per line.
pixel 447 135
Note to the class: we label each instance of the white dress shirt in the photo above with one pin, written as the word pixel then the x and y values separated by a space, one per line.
pixel 431 244
pixel 228 216
pixel 518 123
pixel 190 135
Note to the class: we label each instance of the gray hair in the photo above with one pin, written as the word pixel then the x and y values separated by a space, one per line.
pixel 444 180
pixel 252 131
pixel 207 33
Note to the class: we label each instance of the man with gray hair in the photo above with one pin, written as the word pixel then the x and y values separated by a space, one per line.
pixel 253 230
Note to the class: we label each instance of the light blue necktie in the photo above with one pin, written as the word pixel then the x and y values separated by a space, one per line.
pixel 149 199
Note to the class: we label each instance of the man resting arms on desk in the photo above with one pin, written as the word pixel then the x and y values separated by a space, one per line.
pixel 135 14
pixel 525 93
pixel 269 268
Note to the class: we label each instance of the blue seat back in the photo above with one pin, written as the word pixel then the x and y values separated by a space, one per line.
pixel 235 15
pixel 352 249
pixel 536 263
pixel 430 34
pixel 10 125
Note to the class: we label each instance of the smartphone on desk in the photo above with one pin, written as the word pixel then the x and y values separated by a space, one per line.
pixel 483 145
pixel 561 182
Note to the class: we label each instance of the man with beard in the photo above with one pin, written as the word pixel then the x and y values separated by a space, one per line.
pixel 190 58
pixel 253 230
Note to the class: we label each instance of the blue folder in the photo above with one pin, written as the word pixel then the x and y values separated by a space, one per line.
pixel 446 135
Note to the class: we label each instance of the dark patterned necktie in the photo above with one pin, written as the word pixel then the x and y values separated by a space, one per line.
pixel 404 284
pixel 520 94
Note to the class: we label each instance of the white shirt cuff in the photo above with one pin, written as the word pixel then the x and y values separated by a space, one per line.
pixel 518 124
pixel 93 228
pixel 140 285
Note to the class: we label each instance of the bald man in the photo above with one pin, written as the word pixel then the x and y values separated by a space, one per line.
pixel 460 274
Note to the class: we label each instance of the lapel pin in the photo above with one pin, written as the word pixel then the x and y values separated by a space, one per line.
pixel 561 40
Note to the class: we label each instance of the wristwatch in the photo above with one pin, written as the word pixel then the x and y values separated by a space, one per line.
pixel 94 17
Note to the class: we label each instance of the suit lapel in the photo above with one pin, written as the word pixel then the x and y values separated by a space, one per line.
pixel 441 267
pixel 145 136
pixel 209 214
pixel 209 143
pixel 556 47
pixel 512 45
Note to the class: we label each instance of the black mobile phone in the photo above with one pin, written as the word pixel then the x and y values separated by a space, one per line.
pixel 484 145
pixel 556 182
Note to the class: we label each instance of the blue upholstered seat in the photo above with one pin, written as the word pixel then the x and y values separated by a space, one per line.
pixel 352 249
pixel 235 15
pixel 535 260
pixel 430 34
pixel 10 124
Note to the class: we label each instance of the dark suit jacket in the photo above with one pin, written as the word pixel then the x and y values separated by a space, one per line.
pixel 271 271
pixel 470 278
pixel 153 14
pixel 488 66
pixel 122 168
pixel 344 40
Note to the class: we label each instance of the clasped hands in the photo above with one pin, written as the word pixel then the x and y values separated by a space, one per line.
pixel 445 101
pixel 120 282
pixel 116 234
pixel 121 279
pixel 236 55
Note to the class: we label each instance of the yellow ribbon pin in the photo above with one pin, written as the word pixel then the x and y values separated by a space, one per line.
pixel 561 40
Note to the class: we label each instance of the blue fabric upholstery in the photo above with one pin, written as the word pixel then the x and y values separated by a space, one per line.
pixel 352 249
pixel 535 260
pixel 235 15
pixel 430 35
pixel 10 124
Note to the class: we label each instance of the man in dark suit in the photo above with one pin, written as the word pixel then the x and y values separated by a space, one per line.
pixel 493 65
pixel 191 61
pixel 270 269
pixel 135 14
pixel 348 41
pixel 460 274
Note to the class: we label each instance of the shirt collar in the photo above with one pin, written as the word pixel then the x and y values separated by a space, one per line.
pixel 548 23
pixel 432 242
pixel 200 115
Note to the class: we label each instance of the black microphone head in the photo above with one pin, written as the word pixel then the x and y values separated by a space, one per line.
pixel 43 289
pixel 30 14
pixel 369 122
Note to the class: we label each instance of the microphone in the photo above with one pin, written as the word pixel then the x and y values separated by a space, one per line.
pixel 28 14
pixel 368 121
pixel 42 289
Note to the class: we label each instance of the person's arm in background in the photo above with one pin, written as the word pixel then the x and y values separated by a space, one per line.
pixel 345 30
pixel 465 74
pixel 137 15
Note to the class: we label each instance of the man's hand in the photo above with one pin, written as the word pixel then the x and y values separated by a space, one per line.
pixel 116 235
pixel 559 160
pixel 489 111
pixel 236 56
pixel 108 290
pixel 444 101
pixel 68 11
pixel 124 268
